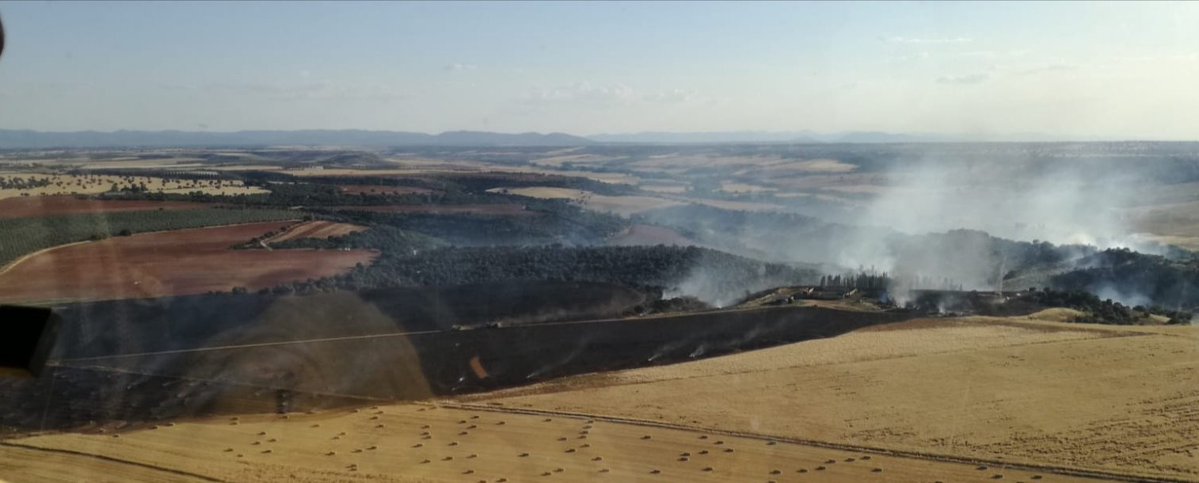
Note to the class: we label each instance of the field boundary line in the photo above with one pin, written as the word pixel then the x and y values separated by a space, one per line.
pixel 26 256
pixel 112 460
pixel 247 346
pixel 1059 470
pixel 22 258
pixel 290 228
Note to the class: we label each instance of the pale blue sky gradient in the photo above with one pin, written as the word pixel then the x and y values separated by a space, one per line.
pixel 1071 70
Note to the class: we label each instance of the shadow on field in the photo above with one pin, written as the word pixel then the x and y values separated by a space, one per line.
pixel 128 362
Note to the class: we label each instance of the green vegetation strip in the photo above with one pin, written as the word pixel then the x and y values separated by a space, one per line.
pixel 19 237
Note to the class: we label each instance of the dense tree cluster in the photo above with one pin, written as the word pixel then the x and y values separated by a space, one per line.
pixel 19 183
pixel 659 266
pixel 1103 311
pixel 1163 281
pixel 863 280
pixel 546 222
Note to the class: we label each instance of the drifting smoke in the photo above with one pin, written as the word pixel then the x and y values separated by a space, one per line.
pixel 706 285
pixel 948 217
pixel 1061 204
pixel 1058 203
pixel 721 285
pixel 1126 297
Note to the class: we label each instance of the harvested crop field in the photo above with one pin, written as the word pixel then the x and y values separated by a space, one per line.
pixel 624 205
pixel 37 206
pixel 422 442
pixel 924 400
pixel 316 229
pixel 497 209
pixel 359 189
pixel 167 263
pixel 69 184
pixel 1077 399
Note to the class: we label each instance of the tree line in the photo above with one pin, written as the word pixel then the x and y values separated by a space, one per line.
pixel 643 267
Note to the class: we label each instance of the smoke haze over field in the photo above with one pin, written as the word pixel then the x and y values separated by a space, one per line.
pixel 1059 204
pixel 1064 204
pixel 951 219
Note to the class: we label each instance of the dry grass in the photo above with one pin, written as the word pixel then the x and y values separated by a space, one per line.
pixel 1092 397
pixel 413 442
pixel 624 205
pixel 745 188
pixel 66 184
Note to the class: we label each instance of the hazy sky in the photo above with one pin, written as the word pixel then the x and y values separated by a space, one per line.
pixel 1071 70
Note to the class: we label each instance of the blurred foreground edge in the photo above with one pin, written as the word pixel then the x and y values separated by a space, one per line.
pixel 28 335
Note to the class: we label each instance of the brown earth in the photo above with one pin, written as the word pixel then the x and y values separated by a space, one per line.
pixel 497 209
pixel 167 263
pixel 36 206
pixel 316 229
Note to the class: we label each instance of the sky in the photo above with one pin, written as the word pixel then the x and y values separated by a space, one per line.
pixel 1066 70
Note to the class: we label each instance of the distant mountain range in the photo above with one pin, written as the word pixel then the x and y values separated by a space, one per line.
pixel 790 137
pixel 24 139
pixel 16 139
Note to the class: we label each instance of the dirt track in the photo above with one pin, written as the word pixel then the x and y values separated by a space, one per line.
pixel 315 229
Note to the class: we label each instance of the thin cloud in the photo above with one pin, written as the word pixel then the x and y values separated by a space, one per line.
pixel 674 96
pixel 581 92
pixel 610 94
pixel 1047 69
pixel 913 57
pixel 460 67
pixel 927 40
pixel 322 91
pixel 963 79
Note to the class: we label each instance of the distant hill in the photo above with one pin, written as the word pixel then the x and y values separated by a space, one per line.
pixel 23 139
pixel 707 137
pixel 801 137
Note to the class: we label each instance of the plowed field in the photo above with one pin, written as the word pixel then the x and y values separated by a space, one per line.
pixel 167 263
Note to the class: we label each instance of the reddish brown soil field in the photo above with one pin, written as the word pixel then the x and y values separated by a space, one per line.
pixel 316 229
pixel 357 189
pixel 167 263
pixel 35 206
pixel 501 209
